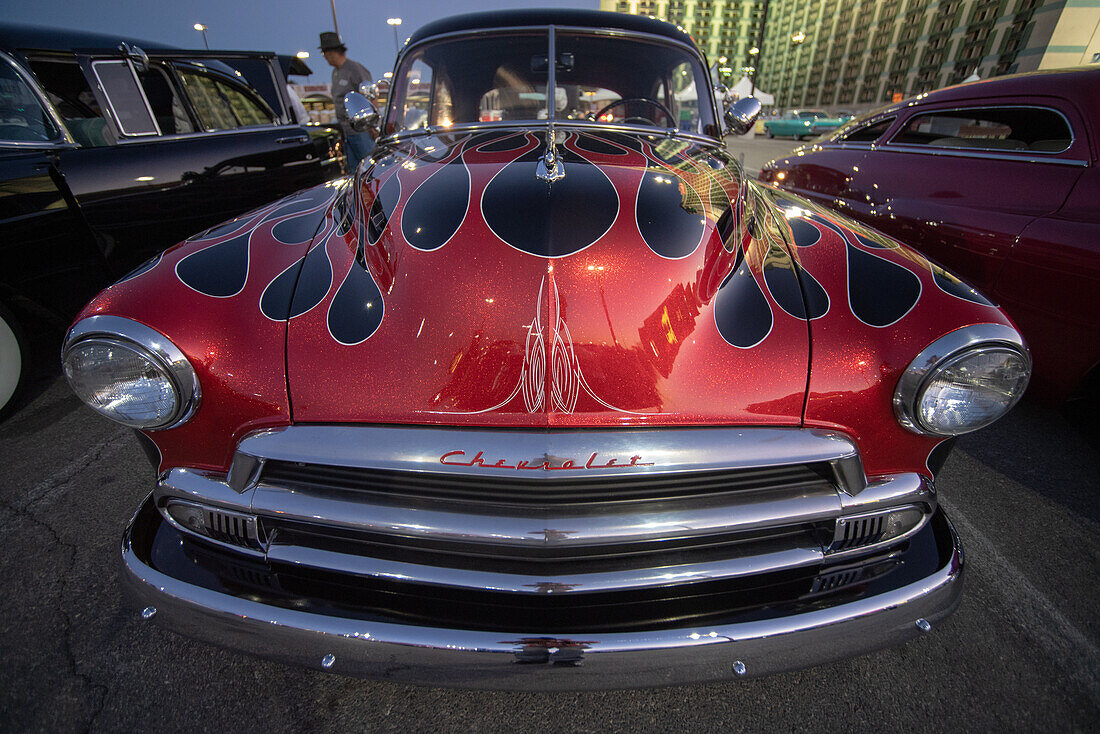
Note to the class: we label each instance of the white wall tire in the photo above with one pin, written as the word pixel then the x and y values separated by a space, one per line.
pixel 13 356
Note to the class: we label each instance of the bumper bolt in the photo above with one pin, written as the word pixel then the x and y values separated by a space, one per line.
pixel 148 612
pixel 740 668
pixel 924 625
pixel 328 661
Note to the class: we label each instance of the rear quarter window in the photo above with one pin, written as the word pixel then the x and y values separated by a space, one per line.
pixel 125 96
pixel 867 133
pixel 1018 128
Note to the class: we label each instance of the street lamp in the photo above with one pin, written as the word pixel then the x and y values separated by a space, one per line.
pixel 201 27
pixel 798 37
pixel 393 23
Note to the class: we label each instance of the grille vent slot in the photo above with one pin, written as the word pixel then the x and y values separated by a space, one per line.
pixel 232 528
pixel 859 532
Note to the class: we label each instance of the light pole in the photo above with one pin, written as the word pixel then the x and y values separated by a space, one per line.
pixel 303 55
pixel 201 27
pixel 393 23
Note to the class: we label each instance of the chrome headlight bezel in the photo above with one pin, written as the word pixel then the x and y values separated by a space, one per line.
pixel 969 340
pixel 150 344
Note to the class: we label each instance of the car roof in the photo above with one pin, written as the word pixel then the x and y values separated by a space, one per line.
pixel 545 17
pixel 1079 82
pixel 17 36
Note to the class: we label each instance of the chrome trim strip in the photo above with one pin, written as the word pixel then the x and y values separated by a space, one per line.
pixel 132 140
pixel 533 528
pixel 475 659
pixel 157 346
pixel 885 492
pixel 637 578
pixel 973 153
pixel 949 346
pixel 664 450
pixel 202 487
pixel 746 511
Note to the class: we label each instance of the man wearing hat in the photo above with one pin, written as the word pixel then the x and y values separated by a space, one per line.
pixel 347 75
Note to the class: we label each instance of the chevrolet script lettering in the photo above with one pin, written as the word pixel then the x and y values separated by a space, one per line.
pixel 456 458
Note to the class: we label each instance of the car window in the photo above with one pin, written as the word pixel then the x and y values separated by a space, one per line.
pixel 125 97
pixel 221 106
pixel 1035 129
pixel 165 102
pixel 867 133
pixel 23 118
pixel 503 77
pixel 67 87
pixel 418 96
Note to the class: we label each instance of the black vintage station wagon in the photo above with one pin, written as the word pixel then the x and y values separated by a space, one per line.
pixel 113 149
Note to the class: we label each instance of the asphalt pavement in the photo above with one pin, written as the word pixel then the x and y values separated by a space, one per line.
pixel 754 152
pixel 1021 654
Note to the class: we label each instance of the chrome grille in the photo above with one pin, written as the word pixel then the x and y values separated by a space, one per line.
pixel 540 491
pixel 555 512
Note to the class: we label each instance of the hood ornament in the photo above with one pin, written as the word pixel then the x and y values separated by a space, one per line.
pixel 551 167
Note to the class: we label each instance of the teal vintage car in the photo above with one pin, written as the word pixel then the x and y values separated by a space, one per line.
pixel 802 123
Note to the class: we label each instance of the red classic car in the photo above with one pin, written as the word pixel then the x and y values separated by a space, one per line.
pixel 996 180
pixel 559 400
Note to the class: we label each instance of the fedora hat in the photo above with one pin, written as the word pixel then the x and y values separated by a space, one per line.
pixel 330 41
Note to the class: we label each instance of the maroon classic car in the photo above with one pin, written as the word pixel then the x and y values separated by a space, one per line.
pixel 558 399
pixel 998 181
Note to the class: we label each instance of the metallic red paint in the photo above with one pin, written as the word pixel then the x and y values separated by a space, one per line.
pixel 1021 226
pixel 477 333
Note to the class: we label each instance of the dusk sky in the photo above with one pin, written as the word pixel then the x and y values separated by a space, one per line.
pixel 283 26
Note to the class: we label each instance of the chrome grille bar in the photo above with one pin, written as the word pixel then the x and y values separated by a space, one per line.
pixel 548 455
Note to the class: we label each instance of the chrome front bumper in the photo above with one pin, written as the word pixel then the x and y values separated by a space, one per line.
pixel 531 660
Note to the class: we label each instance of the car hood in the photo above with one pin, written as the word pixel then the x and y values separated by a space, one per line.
pixel 450 283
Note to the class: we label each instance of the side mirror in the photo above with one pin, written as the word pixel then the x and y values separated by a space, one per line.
pixel 741 115
pixel 362 113
pixel 375 91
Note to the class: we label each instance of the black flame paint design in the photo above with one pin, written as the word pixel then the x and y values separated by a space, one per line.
pixel 220 269
pixel 677 189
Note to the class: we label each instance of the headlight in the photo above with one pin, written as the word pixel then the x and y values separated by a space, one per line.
pixel 130 373
pixel 963 381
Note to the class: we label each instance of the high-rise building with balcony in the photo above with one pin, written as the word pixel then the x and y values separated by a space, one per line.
pixel 859 54
pixel 726 30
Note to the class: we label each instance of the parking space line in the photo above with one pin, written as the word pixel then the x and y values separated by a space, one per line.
pixel 1035 613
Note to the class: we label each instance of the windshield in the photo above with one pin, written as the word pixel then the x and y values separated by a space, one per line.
pixel 812 114
pixel 503 77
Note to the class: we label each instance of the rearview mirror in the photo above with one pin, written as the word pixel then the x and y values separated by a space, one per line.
pixel 741 115
pixel 362 113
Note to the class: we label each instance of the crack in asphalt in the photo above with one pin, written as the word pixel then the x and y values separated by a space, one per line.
pixel 32 499
pixel 99 691
pixel 53 485
pixel 1037 615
